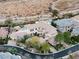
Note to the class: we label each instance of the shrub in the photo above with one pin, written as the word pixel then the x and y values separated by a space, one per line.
pixel 68 15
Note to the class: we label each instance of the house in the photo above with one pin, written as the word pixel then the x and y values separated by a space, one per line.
pixel 43 29
pixel 64 25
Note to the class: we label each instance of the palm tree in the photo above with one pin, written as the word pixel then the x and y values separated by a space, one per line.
pixel 8 23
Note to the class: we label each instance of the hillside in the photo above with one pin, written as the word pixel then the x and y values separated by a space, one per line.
pixel 24 7
pixel 34 7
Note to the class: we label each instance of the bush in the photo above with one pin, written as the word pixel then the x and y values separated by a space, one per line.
pixel 37 46
pixel 68 15
pixel 75 39
pixel 23 40
pixel 63 37
pixel 66 37
pixel 3 40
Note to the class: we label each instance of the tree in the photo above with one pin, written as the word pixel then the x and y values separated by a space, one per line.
pixel 44 48
pixel 55 13
pixel 67 37
pixel 8 23
pixel 62 38
pixel 24 39
pixel 75 39
pixel 4 40
pixel 36 44
pixel 33 42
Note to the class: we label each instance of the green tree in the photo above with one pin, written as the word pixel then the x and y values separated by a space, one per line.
pixel 67 37
pixel 3 40
pixel 59 37
pixel 44 48
pixel 75 39
pixel 23 40
pixel 63 38
pixel 35 43
pixel 53 11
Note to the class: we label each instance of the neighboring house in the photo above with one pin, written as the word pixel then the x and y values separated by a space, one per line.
pixel 75 32
pixel 64 25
